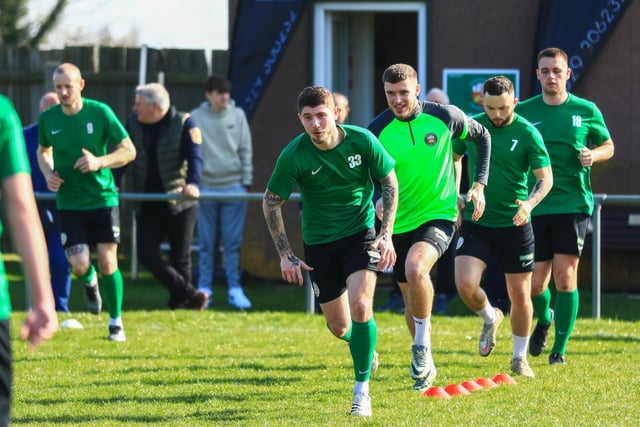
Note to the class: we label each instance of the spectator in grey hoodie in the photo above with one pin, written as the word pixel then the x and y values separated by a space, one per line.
pixel 227 168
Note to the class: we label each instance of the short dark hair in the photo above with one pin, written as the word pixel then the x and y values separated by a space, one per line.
pixel 399 72
pixel 552 52
pixel 312 96
pixel 217 83
pixel 497 86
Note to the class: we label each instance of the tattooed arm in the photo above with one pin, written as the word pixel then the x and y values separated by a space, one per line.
pixel 389 204
pixel 544 182
pixel 290 265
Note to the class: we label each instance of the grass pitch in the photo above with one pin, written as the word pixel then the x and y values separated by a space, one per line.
pixel 276 365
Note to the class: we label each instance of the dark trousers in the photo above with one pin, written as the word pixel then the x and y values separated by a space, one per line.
pixel 155 224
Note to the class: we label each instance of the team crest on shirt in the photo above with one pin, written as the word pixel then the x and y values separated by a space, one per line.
pixel 430 139
pixel 89 128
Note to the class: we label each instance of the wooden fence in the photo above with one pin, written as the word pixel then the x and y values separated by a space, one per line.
pixel 111 74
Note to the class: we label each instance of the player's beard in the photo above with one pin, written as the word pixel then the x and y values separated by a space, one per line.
pixel 503 123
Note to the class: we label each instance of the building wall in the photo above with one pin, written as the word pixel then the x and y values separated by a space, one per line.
pixel 462 34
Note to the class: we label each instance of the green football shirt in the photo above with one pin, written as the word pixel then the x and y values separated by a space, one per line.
pixel 96 128
pixel 566 129
pixel 336 186
pixel 13 160
pixel 515 149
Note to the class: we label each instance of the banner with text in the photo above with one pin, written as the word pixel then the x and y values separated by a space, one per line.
pixel 579 28
pixel 261 33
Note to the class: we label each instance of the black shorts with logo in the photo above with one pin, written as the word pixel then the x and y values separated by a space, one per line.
pixel 511 246
pixel 559 234
pixel 89 227
pixel 438 233
pixel 333 262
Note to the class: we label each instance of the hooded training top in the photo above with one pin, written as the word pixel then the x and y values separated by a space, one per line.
pixel 566 128
pixel 422 149
pixel 226 146
pixel 335 185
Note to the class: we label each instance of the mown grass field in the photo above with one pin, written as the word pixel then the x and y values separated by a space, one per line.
pixel 275 365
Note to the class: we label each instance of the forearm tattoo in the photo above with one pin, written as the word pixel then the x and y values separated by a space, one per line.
pixel 273 216
pixel 388 196
pixel 536 193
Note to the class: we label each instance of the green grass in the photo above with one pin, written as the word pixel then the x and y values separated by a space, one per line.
pixel 276 366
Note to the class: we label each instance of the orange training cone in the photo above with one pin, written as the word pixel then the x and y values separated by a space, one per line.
pixel 436 391
pixel 456 390
pixel 504 379
pixel 486 383
pixel 471 385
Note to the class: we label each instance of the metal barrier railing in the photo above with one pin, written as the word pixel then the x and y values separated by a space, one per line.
pixel 596 252
pixel 596 247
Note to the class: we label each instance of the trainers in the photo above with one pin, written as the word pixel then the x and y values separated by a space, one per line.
pixel 238 299
pixel 538 340
pixel 488 334
pixel 375 362
pixel 92 298
pixel 557 358
pixel 116 333
pixel 419 366
pixel 361 405
pixel 520 366
pixel 197 302
pixel 427 381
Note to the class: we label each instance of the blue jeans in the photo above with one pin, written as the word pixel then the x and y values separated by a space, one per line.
pixel 230 216
pixel 58 264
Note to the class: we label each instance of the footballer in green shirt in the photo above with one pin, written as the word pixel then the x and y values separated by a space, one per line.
pixel 418 135
pixel 333 167
pixel 41 321
pixel 504 231
pixel 80 140
pixel 576 138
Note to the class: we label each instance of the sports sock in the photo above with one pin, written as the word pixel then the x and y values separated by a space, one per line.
pixel 346 337
pixel 364 337
pixel 488 314
pixel 520 346
pixel 113 292
pixel 423 327
pixel 361 387
pixel 541 305
pixel 566 312
pixel 87 277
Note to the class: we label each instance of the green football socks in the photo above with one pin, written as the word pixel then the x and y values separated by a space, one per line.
pixel 346 337
pixel 113 291
pixel 566 312
pixel 364 337
pixel 87 277
pixel 541 305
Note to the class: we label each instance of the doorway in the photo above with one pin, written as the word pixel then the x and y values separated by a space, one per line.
pixel 354 42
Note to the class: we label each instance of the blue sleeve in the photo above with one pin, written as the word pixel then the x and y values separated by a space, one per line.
pixel 192 150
